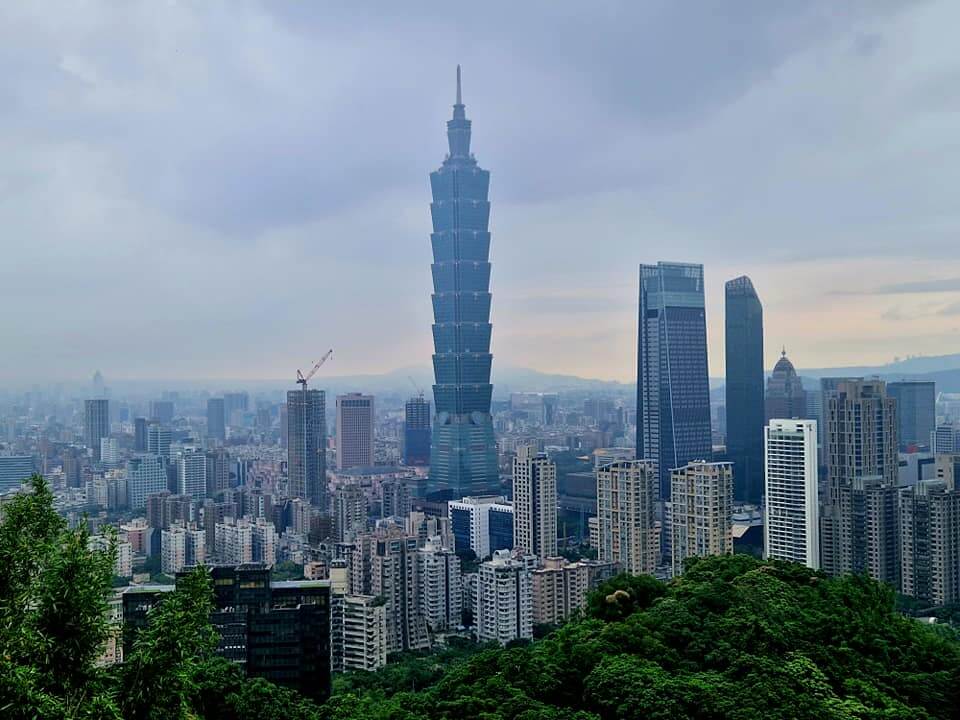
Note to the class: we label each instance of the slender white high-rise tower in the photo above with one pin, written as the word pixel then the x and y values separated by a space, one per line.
pixel 791 516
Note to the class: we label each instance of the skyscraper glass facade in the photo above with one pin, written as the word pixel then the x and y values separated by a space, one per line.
pixel 463 456
pixel 673 393
pixel 306 445
pixel 416 432
pixel 744 388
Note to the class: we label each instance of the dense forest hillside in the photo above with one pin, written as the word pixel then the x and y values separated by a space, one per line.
pixel 733 638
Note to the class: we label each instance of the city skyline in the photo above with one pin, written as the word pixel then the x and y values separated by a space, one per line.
pixel 845 217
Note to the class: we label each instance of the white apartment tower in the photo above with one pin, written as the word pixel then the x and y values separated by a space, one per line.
pixel 358 633
pixel 701 499
pixel 626 532
pixel 503 608
pixel 441 591
pixel 791 516
pixel 534 503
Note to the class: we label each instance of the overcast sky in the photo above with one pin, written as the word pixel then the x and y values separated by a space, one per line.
pixel 226 189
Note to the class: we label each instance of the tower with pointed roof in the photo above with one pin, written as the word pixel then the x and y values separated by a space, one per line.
pixel 786 398
pixel 463 456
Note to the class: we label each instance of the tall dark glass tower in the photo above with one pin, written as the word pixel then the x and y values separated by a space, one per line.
pixel 416 432
pixel 673 393
pixel 463 456
pixel 744 388
pixel 306 446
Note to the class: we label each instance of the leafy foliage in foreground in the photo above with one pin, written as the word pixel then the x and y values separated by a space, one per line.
pixel 733 639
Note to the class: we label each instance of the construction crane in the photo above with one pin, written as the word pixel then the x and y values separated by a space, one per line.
pixel 415 386
pixel 303 379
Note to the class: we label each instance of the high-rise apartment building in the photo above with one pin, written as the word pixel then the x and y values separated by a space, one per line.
pixel 192 473
pixel 235 403
pixel 626 529
pixel 180 547
pixel 929 519
pixel 349 512
pixel 744 388
pixel 218 471
pixel 791 516
pixel 234 541
pixel 504 602
pixel 701 511
pixel 395 498
pixel 355 418
pixel 359 633
pixel 394 576
pixel 560 587
pixel 146 475
pixel 786 398
pixel 216 420
pixel 916 411
pixel 306 446
pixel 463 453
pixel 441 591
pixel 96 424
pixel 416 432
pixel 534 503
pixel 673 393
pixel 859 522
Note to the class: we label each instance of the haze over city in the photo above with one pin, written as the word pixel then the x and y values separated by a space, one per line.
pixel 223 190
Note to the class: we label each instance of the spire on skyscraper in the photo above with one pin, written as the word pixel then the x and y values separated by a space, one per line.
pixel 459 96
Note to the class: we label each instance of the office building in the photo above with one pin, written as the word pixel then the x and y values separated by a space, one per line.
pixel 626 528
pixel 929 524
pixel 279 630
pixel 394 576
pixel 355 417
pixel 673 394
pixel 441 591
pixel 158 440
pixel 96 424
pixel 945 439
pixel 701 511
pixel 306 446
pixel 416 432
pixel 216 420
pixel 560 587
pixel 359 633
pixel 859 521
pixel 146 475
pixel 14 471
pixel 791 519
pixel 786 398
pixel 349 512
pixel 235 404
pixel 161 411
pixel 163 510
pixel 744 388
pixel 534 503
pixel 463 453
pixel 503 610
pixel 483 524
pixel 192 473
pixel 140 435
pixel 916 412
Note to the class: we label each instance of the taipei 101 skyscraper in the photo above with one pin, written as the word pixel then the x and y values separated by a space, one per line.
pixel 463 454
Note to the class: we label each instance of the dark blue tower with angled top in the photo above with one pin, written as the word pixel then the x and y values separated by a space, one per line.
pixel 463 454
